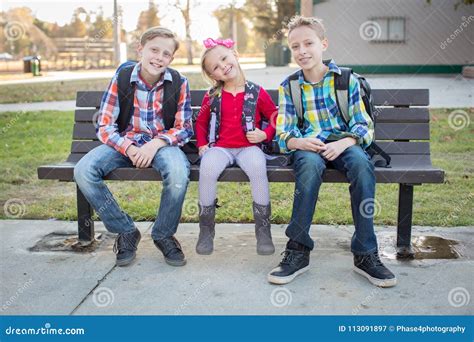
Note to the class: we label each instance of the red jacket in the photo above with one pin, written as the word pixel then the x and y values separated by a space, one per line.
pixel 231 133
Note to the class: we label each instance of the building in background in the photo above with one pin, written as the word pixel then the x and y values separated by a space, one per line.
pixel 384 36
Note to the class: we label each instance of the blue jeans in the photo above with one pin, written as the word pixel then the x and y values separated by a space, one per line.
pixel 309 168
pixel 169 161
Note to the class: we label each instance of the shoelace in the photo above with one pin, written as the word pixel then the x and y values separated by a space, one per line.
pixel 288 257
pixel 373 259
pixel 171 244
pixel 125 242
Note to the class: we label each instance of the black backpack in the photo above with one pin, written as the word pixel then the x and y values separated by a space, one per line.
pixel 252 91
pixel 126 92
pixel 341 85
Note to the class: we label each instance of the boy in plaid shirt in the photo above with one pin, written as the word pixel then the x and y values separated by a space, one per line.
pixel 144 142
pixel 325 138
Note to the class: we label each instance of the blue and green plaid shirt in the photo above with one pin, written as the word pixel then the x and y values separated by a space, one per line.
pixel 322 118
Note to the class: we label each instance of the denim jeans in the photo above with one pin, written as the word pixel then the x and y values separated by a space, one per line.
pixel 169 161
pixel 309 168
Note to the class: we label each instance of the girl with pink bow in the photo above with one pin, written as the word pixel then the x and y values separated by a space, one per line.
pixel 229 131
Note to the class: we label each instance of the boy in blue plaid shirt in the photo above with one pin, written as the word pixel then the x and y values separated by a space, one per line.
pixel 324 138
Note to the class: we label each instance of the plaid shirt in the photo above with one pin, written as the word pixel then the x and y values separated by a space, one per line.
pixel 322 119
pixel 147 120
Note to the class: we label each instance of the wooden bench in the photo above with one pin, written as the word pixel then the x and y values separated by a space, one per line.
pixel 402 130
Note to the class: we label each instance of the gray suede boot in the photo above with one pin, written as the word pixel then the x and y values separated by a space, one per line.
pixel 261 214
pixel 207 223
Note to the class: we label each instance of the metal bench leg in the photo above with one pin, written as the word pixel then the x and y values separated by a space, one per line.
pixel 84 218
pixel 405 211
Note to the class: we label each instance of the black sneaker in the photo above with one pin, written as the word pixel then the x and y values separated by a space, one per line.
pixel 371 267
pixel 126 247
pixel 171 250
pixel 295 262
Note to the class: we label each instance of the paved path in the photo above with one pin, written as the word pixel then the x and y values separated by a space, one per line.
pixel 446 91
pixel 231 281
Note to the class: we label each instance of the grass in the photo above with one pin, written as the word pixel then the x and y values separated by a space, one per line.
pixel 66 90
pixel 30 139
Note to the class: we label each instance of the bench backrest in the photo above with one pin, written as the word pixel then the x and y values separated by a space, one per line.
pixel 402 123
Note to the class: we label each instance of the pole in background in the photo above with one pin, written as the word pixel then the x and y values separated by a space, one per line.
pixel 116 35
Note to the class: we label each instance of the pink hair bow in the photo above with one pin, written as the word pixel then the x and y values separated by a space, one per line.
pixel 209 43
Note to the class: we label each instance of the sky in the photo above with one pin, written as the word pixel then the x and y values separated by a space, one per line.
pixel 203 24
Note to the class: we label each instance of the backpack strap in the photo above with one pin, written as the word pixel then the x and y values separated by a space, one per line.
pixel 341 86
pixel 126 93
pixel 295 94
pixel 171 93
pixel 214 122
pixel 252 91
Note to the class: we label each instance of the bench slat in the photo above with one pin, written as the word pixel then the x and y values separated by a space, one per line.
pixel 392 147
pixel 84 115
pixel 401 115
pixel 402 131
pixel 382 97
pixel 89 98
pixel 401 97
pixel 413 115
pixel 403 161
pixel 407 174
pixel 383 131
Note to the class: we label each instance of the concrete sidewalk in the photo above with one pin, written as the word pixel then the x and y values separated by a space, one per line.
pixel 231 281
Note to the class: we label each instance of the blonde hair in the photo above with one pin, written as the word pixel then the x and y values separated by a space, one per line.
pixel 216 85
pixel 315 24
pixel 158 31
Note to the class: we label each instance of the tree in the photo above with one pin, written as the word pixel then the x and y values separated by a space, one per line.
pixel 21 36
pixel 101 27
pixel 148 18
pixel 223 15
pixel 186 13
pixel 269 17
pixel 77 28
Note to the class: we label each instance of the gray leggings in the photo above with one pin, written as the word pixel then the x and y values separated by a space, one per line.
pixel 250 159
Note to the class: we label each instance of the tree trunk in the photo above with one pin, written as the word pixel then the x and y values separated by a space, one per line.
pixel 189 43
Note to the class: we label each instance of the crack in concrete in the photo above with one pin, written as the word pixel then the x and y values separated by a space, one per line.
pixel 100 281
pixel 93 289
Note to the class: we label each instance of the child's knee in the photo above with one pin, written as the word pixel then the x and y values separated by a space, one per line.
pixel 209 170
pixel 307 160
pixel 84 171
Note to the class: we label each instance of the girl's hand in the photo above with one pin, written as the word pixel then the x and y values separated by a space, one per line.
pixel 203 149
pixel 256 136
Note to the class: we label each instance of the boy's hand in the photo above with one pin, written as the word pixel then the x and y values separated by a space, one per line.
pixel 256 136
pixel 334 149
pixel 132 153
pixel 307 144
pixel 148 151
pixel 203 149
